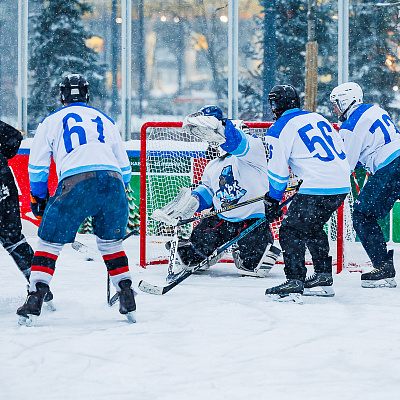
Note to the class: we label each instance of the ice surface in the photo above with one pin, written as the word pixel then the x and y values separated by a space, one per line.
pixel 214 336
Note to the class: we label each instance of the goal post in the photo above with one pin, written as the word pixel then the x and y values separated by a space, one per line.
pixel 169 160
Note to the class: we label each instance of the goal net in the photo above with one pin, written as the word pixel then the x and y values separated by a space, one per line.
pixel 170 160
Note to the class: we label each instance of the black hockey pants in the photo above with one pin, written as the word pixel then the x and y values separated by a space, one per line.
pixel 303 226
pixel 213 232
pixel 11 236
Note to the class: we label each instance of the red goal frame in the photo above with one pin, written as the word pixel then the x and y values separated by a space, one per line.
pixel 143 205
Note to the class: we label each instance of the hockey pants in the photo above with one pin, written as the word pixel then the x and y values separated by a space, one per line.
pixel 303 226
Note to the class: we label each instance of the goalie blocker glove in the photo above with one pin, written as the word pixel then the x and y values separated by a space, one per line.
pixel 38 205
pixel 272 208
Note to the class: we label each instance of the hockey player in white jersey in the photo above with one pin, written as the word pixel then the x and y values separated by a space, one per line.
pixel 238 174
pixel 92 167
pixel 372 141
pixel 308 144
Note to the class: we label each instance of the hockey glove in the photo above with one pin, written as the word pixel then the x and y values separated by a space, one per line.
pixel 272 208
pixel 208 129
pixel 38 205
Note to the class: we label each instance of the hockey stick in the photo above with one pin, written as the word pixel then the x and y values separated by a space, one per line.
pixel 83 248
pixel 173 251
pixel 108 289
pixel 160 290
pixel 227 208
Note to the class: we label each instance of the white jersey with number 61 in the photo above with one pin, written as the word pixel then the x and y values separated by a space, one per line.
pixel 80 139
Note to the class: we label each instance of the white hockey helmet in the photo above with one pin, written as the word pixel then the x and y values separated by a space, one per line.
pixel 346 97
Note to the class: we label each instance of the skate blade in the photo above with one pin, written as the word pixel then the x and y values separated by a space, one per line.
pixel 322 291
pixel 131 316
pixel 50 305
pixel 30 320
pixel 292 297
pixel 388 282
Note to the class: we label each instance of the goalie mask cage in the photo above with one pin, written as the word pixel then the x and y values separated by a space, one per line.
pixel 170 160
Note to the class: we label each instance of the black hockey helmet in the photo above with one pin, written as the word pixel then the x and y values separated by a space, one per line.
pixel 282 98
pixel 74 88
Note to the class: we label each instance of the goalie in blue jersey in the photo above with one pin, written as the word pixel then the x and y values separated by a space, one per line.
pixel 308 144
pixel 237 174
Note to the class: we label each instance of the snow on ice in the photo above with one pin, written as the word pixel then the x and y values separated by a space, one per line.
pixel 214 336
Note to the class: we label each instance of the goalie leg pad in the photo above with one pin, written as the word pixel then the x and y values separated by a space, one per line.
pixel 267 261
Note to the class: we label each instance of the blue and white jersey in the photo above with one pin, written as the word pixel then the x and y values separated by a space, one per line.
pixel 241 176
pixel 80 139
pixel 308 144
pixel 370 138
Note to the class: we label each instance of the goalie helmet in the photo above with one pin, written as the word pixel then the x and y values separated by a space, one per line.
pixel 212 111
pixel 282 98
pixel 346 97
pixel 74 88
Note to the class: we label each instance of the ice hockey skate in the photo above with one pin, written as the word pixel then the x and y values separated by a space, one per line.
pixel 29 312
pixel 382 276
pixel 291 290
pixel 319 284
pixel 127 304
pixel 48 299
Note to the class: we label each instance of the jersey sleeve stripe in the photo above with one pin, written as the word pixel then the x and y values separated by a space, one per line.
pixel 126 169
pixel 277 177
pixel 243 147
pixel 39 176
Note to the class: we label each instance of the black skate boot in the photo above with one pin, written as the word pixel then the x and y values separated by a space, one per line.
pixel 127 305
pixel 320 283
pixel 291 290
pixel 48 299
pixel 382 276
pixel 33 305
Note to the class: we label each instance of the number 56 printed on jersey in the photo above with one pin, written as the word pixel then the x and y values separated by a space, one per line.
pixel 314 142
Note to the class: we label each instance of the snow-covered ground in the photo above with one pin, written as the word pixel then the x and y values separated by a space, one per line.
pixel 212 337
